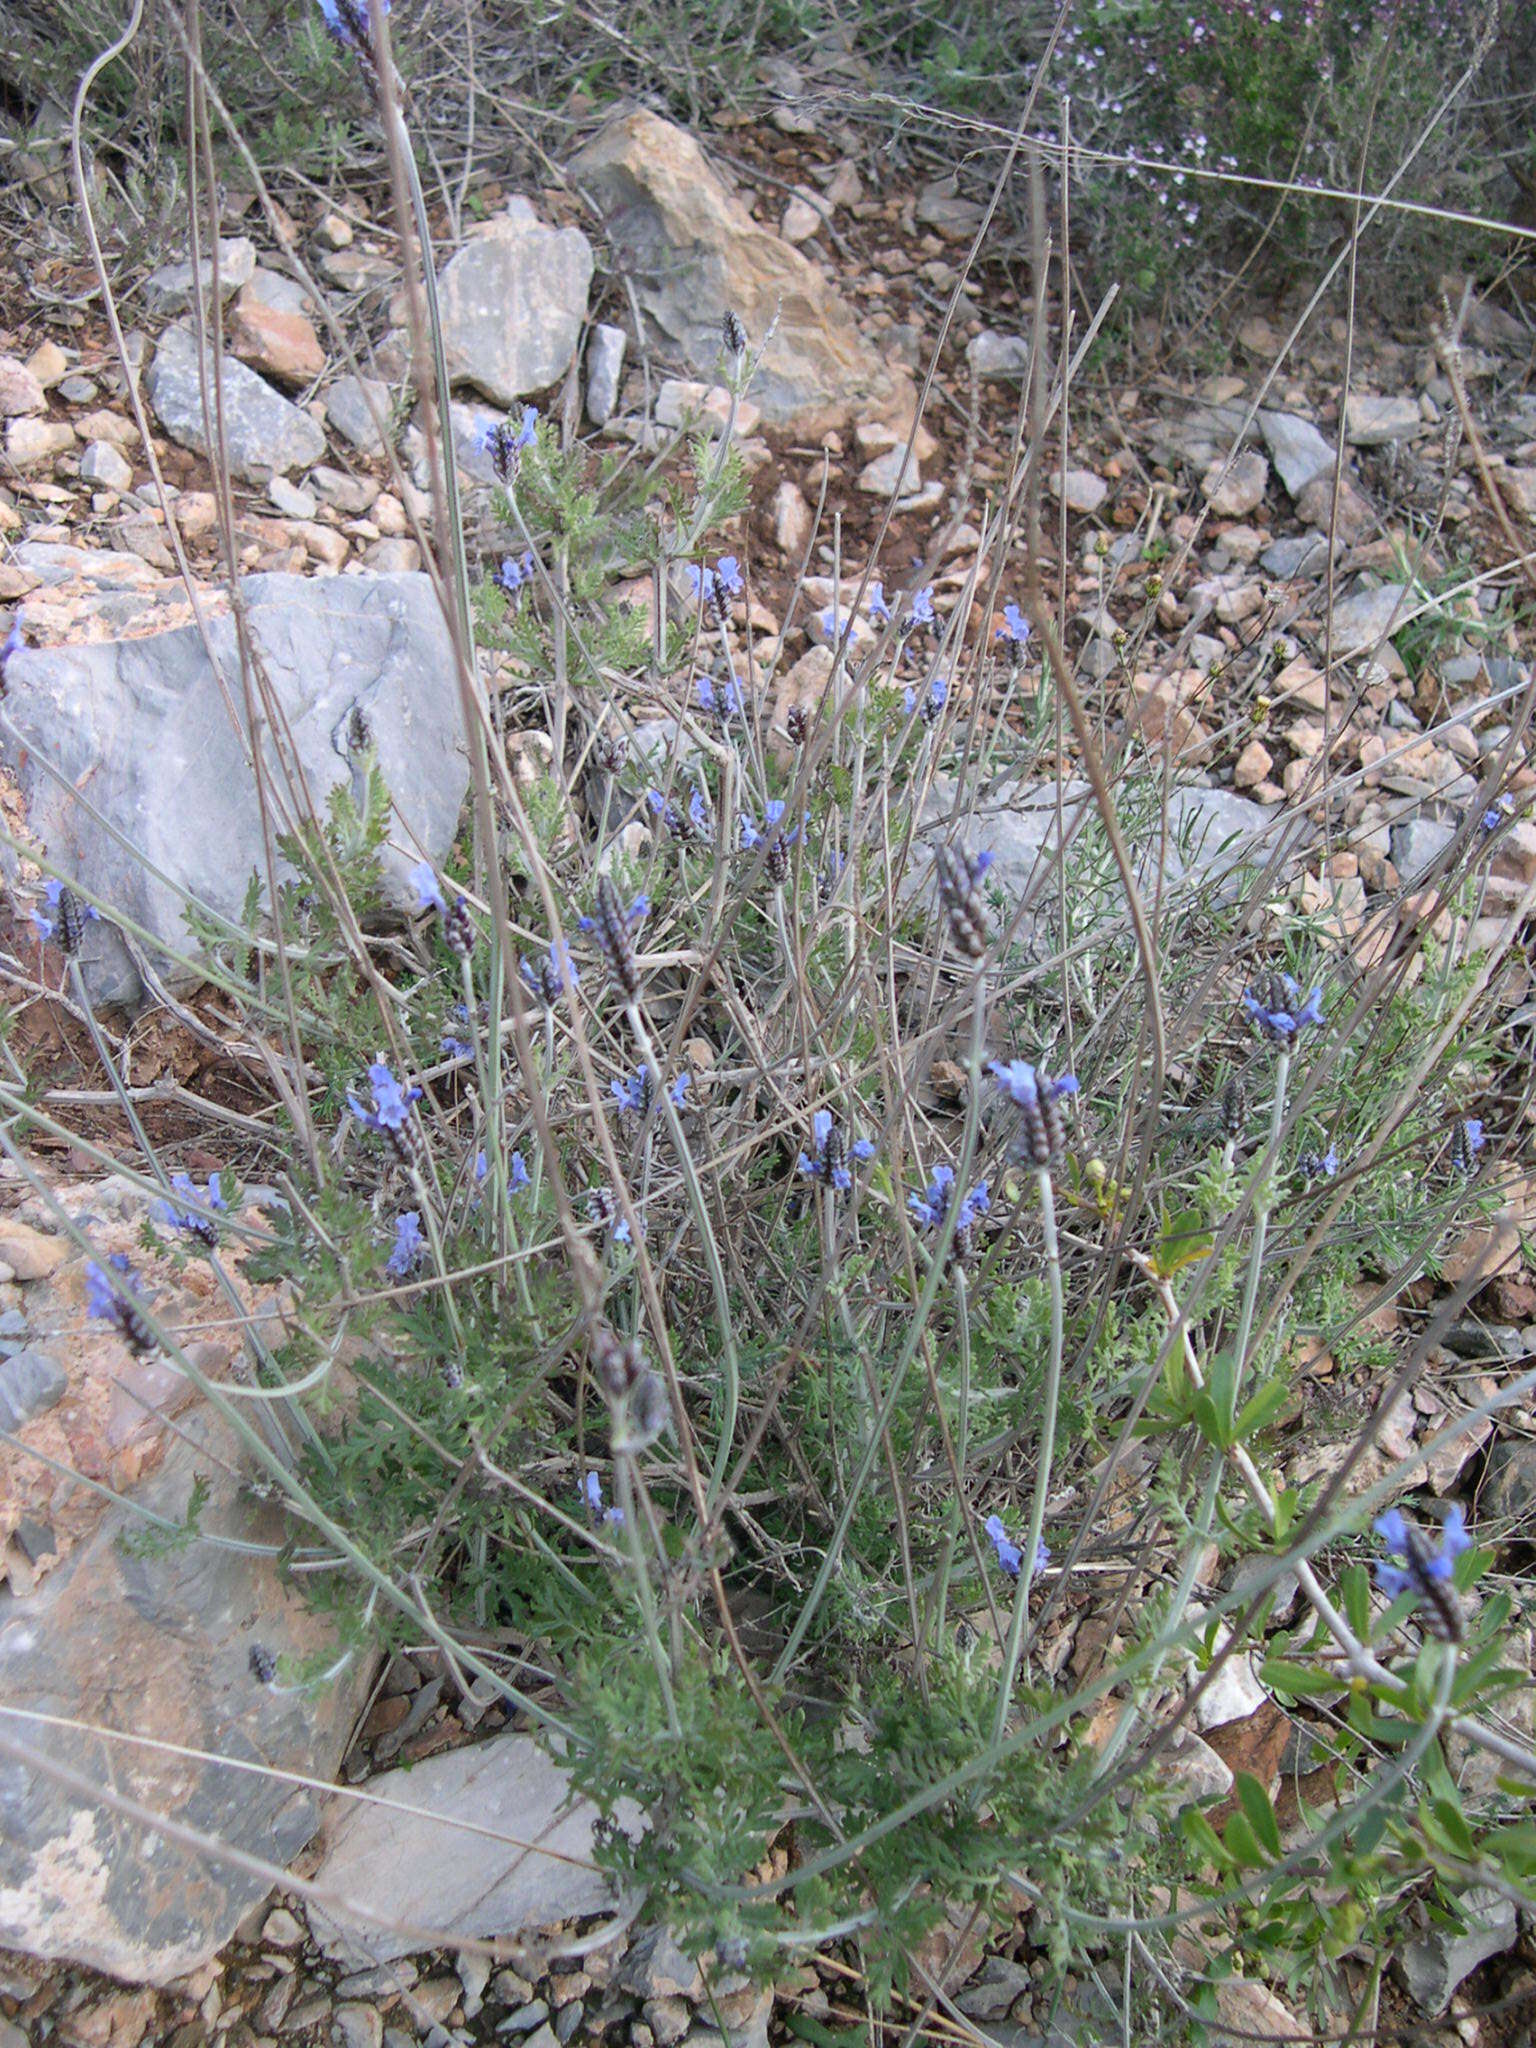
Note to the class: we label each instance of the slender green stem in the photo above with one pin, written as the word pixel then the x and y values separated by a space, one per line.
pixel 424 1196
pixel 645 1592
pixel 729 1361
pixel 1050 1404
pixel 915 1332
pixel 962 1451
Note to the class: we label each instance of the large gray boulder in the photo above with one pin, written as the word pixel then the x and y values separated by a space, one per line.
pixel 131 754
pixel 513 301
pixel 160 1645
pixel 693 252
pixel 266 434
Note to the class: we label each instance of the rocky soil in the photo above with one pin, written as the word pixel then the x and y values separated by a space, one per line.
pixel 1263 675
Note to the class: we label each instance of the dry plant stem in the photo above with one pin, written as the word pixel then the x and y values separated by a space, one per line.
pixel 916 1327
pixel 645 1592
pixel 962 1451
pixel 1050 1404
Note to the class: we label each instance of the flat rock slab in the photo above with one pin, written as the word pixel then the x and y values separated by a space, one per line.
pixel 513 301
pixel 266 434
pixel 1362 622
pixel 694 252
pixel 417 1870
pixel 160 1645
pixel 144 729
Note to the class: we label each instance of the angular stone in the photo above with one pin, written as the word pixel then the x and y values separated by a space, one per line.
pixel 605 366
pixel 105 465
pixel 20 391
pixel 268 330
pixel 31 442
pixel 1435 1964
pixel 1304 554
pixel 801 221
pixel 991 354
pixel 1351 520
pixel 694 252
pixel 1083 491
pixel 1372 422
pixel 266 435
pixel 31 1382
pixel 513 301
pixel 421 1871
pixel 143 724
pixel 30 1254
pixel 160 1644
pixel 894 472
pixel 1417 843
pixel 1362 622
pixel 169 290
pixel 1234 492
pixel 351 406
pixel 1299 451
pixel 791 519
pixel 1252 2013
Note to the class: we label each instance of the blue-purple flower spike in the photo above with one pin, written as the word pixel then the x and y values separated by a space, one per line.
pixel 613 928
pixel 118 1310
pixel 1009 1555
pixel 1426 1572
pixel 1038 1098
pixel 408 1246
pixel 827 1160
pixel 1277 1008
pixel 960 876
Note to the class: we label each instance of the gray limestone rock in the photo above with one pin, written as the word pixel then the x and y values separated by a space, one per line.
pixel 1417 843
pixel 145 725
pixel 169 289
pixel 1433 1966
pixel 1299 451
pixel 266 434
pixel 513 301
pixel 31 1382
pixel 1363 621
pixel 352 406
pixel 419 1870
pixel 605 365
pixel 160 1643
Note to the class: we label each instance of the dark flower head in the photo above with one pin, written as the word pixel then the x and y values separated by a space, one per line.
pixel 611 752
pixel 112 1301
pixel 504 444
pixel 797 724
pixel 68 916
pixel 186 1220
pixel 827 1161
pixel 263 1665
pixel 733 334
pixel 930 705
pixel 604 1209
pixel 1234 1107
pixel 1038 1098
pixel 613 928
pixel 1320 1165
pixel 636 1398
pixel 554 975
pixel 960 876
pixel 1426 1572
pixel 1278 1010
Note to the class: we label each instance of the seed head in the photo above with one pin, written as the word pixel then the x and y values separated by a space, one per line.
pixel 613 928
pixel 263 1665
pixel 797 724
pixel 1234 1107
pixel 960 876
pixel 734 334
pixel 1042 1137
pixel 459 929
